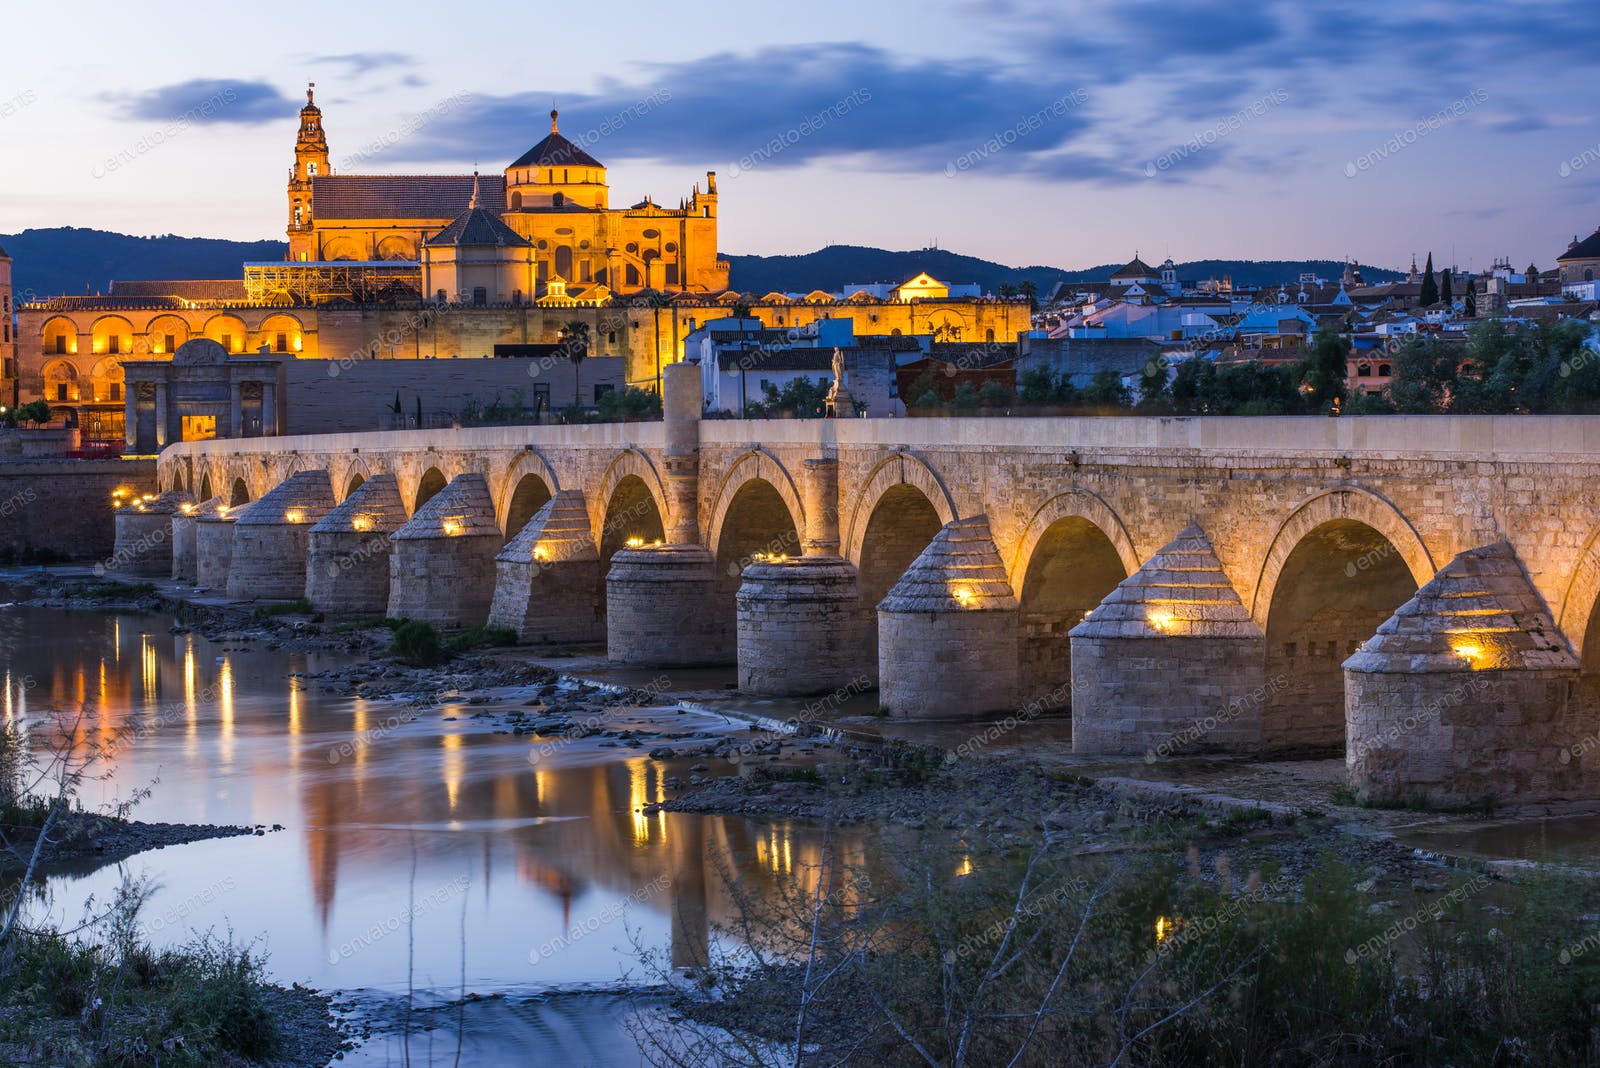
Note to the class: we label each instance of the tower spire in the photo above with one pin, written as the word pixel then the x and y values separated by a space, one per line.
pixel 311 88
pixel 553 114
pixel 472 205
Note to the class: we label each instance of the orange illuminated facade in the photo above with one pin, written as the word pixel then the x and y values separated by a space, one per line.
pixel 555 197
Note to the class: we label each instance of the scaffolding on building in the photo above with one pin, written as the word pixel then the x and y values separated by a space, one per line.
pixel 287 282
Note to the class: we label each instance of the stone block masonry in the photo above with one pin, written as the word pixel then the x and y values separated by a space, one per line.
pixel 63 507
pixel 547 585
pixel 442 567
pixel 347 563
pixel 271 542
pixel 144 537
pixel 659 610
pixel 800 629
pixel 947 632
pixel 1170 661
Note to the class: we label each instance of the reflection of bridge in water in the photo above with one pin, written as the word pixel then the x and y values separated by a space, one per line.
pixel 571 826
pixel 1184 584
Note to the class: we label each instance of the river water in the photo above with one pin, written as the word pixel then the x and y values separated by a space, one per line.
pixel 418 852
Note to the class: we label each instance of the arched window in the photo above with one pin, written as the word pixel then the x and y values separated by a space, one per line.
pixel 1383 370
pixel 1364 370
pixel 516 201
pixel 1588 274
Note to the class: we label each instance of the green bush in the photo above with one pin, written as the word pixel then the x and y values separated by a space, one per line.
pixel 481 637
pixel 418 643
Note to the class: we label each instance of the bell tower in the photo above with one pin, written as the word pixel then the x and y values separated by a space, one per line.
pixel 310 161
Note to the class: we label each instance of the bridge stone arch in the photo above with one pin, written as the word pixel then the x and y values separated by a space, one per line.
pixel 901 468
pixel 1338 567
pixel 345 474
pixel 1578 603
pixel 755 465
pixel 629 461
pixel 528 462
pixel 1073 504
pixel 1073 552
pixel 1344 502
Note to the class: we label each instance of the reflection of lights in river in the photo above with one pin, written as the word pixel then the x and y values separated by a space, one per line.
pixel 149 668
pixel 645 787
pixel 225 708
pixel 775 851
pixel 454 764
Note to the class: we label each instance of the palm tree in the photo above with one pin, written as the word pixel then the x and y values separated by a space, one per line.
pixel 575 336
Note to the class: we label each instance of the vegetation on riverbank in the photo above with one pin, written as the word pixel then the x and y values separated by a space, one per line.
pixel 1031 923
pixel 95 992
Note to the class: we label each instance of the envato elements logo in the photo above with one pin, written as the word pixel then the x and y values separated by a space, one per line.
pixel 1434 910
pixel 618 119
pixel 1225 714
pixel 191 904
pixel 1572 166
pixel 592 724
pixel 588 926
pixel 1214 133
pixel 1411 135
pixel 387 927
pixel 13 104
pixel 1008 137
pixel 407 128
pixel 171 131
pixel 795 134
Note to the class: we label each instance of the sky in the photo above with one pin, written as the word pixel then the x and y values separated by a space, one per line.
pixel 1029 132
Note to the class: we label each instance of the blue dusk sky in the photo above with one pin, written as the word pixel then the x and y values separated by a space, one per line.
pixel 1025 131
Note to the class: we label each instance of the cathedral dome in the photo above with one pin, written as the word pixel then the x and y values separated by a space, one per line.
pixel 556 151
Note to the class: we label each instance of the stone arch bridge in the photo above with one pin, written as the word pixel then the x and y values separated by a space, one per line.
pixel 1418 590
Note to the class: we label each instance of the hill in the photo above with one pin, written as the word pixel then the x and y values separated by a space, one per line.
pixel 838 265
pixel 65 259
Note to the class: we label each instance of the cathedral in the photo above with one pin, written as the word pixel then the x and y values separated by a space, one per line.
pixel 543 227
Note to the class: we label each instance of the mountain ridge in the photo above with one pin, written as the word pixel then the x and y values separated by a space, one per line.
pixel 68 260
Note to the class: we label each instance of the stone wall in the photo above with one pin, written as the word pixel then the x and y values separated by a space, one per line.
pixel 336 397
pixel 64 506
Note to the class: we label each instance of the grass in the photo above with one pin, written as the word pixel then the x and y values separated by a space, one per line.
pixel 486 636
pixel 299 607
pixel 116 591
pixel 132 1005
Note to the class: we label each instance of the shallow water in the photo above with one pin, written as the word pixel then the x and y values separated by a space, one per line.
pixel 415 846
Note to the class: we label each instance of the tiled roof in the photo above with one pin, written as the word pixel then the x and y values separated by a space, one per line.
pixel 1135 268
pixel 401 196
pixel 186 289
pixel 479 227
pixel 1587 249
pixel 556 151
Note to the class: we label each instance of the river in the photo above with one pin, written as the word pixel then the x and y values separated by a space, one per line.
pixel 423 853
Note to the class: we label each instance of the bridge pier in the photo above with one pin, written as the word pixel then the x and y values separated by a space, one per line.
pixel 947 631
pixel 213 544
pixel 143 543
pixel 660 605
pixel 800 628
pixel 1170 662
pixel 1469 692
pixel 347 567
pixel 183 539
pixel 441 568
pixel 271 543
pixel 547 585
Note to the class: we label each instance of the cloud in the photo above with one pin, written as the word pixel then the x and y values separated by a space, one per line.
pixel 784 107
pixel 206 101
pixel 356 64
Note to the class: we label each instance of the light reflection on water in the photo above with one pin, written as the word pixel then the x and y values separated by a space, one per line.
pixel 549 868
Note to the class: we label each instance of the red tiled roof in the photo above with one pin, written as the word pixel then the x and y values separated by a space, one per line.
pixel 186 289
pixel 402 196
